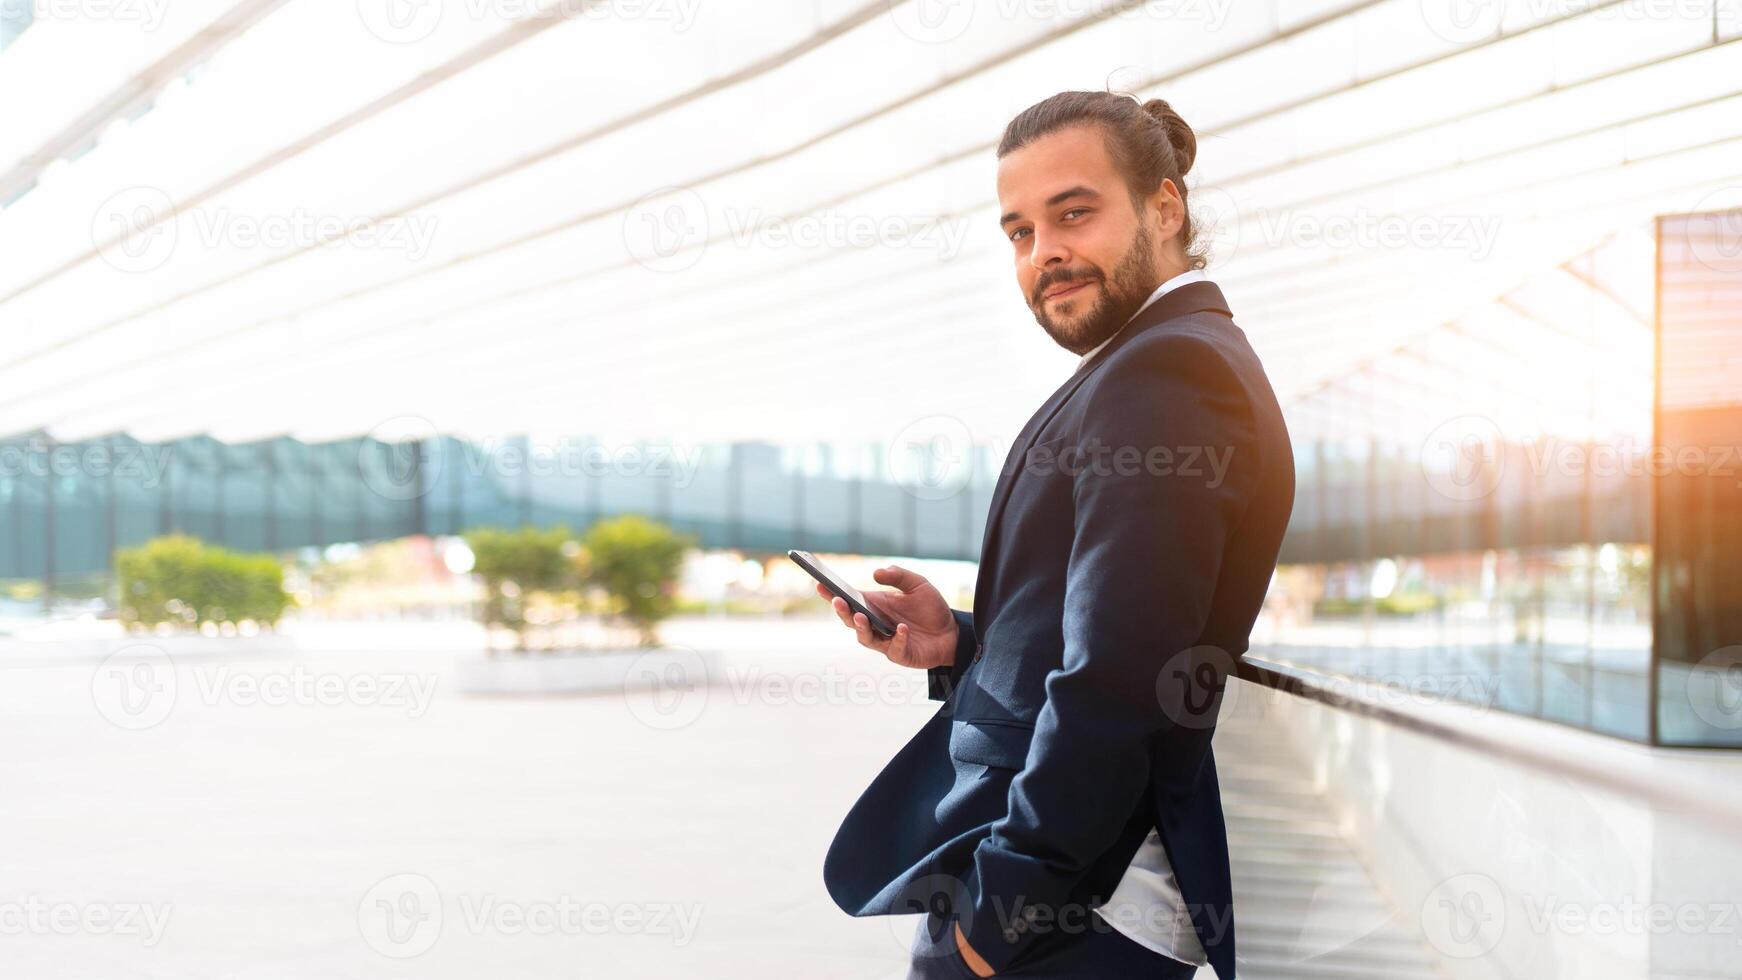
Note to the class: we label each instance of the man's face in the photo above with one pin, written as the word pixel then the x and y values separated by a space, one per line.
pixel 1084 258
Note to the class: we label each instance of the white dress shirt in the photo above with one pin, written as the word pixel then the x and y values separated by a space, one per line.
pixel 1147 906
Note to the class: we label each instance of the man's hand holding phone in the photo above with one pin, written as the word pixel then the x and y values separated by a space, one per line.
pixel 925 631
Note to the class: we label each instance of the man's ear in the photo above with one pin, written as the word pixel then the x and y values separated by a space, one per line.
pixel 1166 205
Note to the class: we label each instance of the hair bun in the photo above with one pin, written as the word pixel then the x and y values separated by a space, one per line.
pixel 1180 135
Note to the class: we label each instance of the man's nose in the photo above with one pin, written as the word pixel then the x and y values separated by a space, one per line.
pixel 1048 252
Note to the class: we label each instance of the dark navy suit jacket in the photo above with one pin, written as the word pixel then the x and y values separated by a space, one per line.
pixel 1131 538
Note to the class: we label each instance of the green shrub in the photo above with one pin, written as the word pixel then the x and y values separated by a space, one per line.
pixel 636 561
pixel 180 580
pixel 632 560
pixel 517 564
pixel 1407 604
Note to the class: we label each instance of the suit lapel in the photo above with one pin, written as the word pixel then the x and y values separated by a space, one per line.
pixel 1191 298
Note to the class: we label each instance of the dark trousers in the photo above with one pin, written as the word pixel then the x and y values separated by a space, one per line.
pixel 1084 954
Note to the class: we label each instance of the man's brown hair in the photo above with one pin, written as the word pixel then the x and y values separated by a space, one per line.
pixel 1148 142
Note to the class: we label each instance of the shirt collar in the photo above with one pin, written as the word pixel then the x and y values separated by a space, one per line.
pixel 1184 278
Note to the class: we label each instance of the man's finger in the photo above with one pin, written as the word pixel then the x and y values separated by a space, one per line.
pixel 862 626
pixel 842 611
pixel 899 578
pixel 897 652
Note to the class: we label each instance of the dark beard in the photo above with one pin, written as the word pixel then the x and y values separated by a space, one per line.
pixel 1122 293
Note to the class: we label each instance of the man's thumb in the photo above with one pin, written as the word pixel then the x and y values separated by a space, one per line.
pixel 899 577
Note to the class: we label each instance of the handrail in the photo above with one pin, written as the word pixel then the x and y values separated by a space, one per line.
pixel 1674 794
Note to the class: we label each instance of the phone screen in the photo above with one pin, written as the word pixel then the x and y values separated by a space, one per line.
pixel 839 586
pixel 834 581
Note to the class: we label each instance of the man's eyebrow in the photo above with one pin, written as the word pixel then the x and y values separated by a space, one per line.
pixel 1059 198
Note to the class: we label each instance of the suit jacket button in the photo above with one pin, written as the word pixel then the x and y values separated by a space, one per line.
pixel 1010 935
pixel 1020 925
pixel 1028 912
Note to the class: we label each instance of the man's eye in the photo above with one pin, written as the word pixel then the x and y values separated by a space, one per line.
pixel 1018 233
pixel 1075 211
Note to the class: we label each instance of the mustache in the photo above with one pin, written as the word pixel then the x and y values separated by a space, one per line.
pixel 1058 276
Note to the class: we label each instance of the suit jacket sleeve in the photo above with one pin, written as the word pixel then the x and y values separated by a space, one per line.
pixel 940 681
pixel 1144 561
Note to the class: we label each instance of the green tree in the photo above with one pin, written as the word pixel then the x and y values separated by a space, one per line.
pixel 636 561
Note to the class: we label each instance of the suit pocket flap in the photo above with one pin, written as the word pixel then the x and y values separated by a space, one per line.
pixel 990 743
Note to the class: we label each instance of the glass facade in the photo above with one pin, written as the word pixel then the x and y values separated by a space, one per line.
pixel 1473 518
pixel 65 507
pixel 1698 582
pixel 1538 508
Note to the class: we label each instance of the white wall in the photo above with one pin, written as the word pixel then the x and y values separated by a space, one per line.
pixel 1511 871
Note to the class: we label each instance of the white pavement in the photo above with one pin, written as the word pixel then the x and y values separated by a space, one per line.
pixel 326 805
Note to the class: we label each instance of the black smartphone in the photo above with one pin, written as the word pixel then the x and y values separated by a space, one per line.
pixel 834 583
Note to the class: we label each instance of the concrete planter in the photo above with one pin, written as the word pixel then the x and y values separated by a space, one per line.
pixel 587 671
